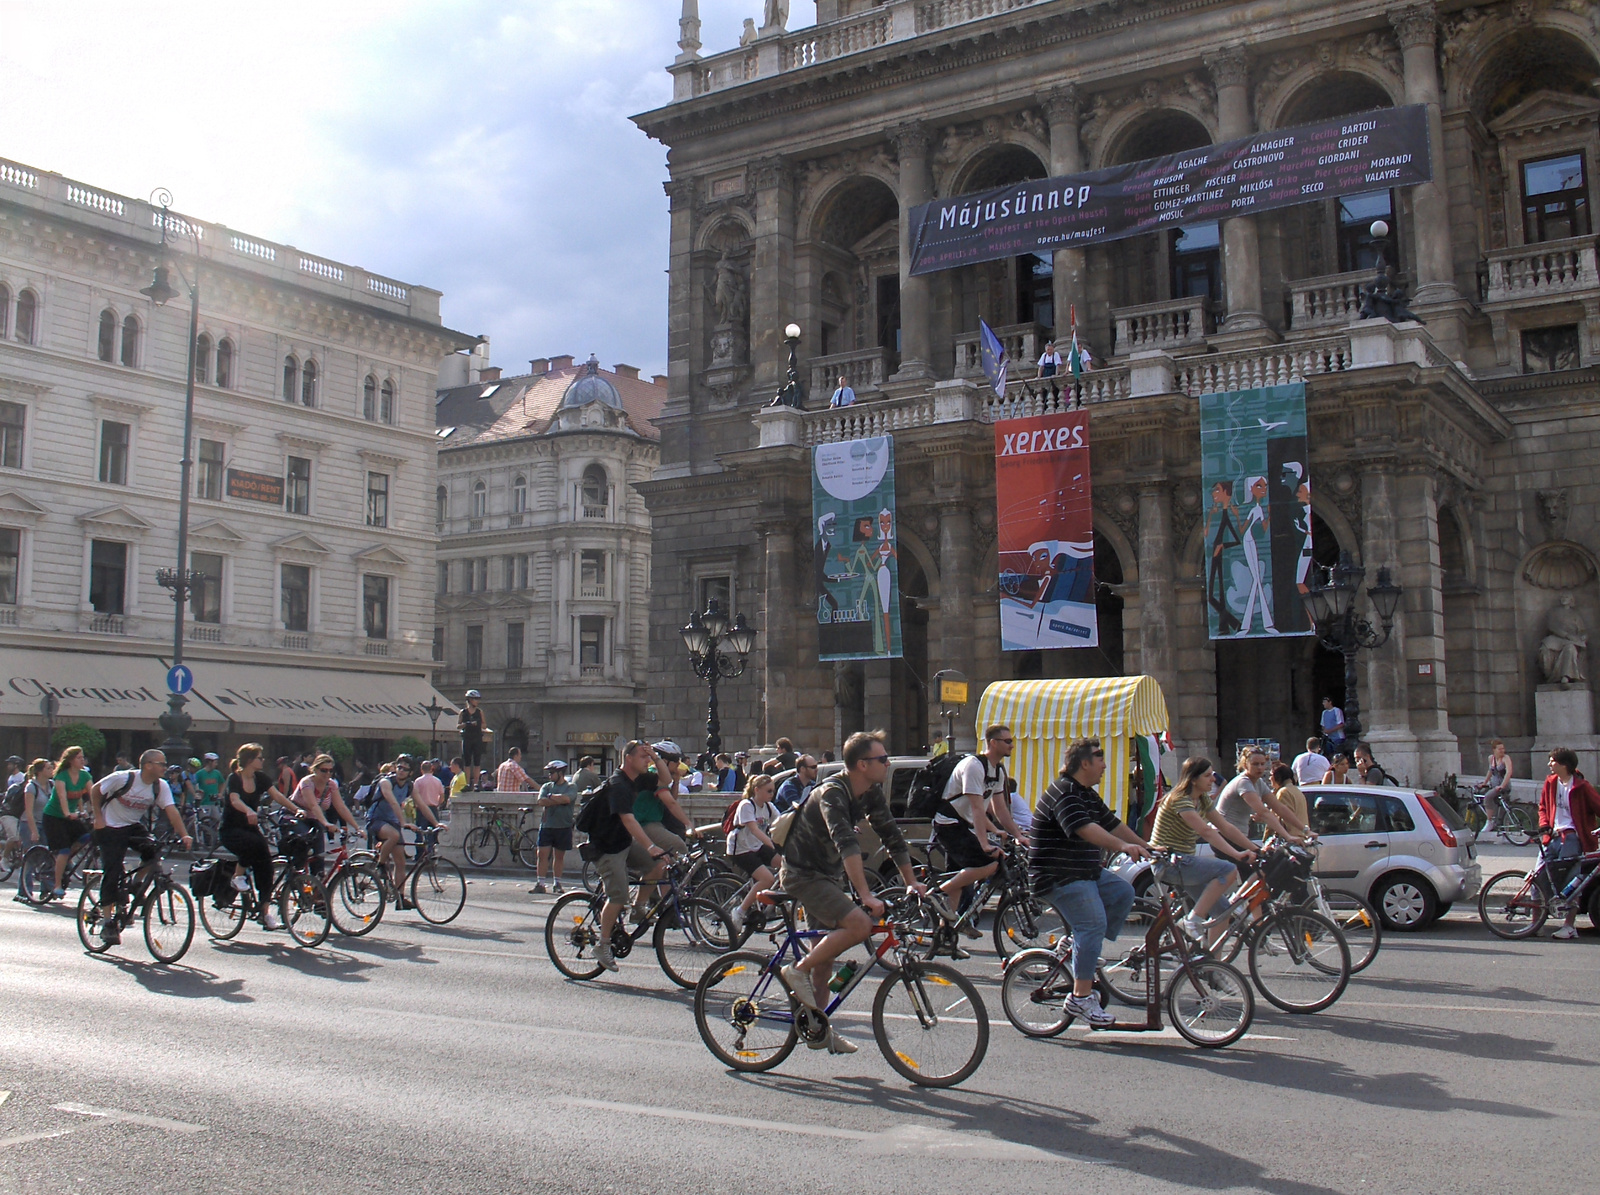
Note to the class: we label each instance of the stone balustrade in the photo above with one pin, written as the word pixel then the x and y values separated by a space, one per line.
pixel 1023 344
pixel 1330 301
pixel 866 420
pixel 1548 269
pixel 1274 365
pixel 864 369
pixel 1173 324
pixel 837 38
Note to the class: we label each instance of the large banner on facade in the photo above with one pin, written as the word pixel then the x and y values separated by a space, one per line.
pixel 1255 470
pixel 1045 522
pixel 1387 147
pixel 855 555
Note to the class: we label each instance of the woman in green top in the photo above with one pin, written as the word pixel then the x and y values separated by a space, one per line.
pixel 63 827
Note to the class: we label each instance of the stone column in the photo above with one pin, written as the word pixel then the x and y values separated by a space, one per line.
pixel 1241 248
pixel 771 275
pixel 955 587
pixel 1417 27
pixel 1385 716
pixel 681 304
pixel 1157 591
pixel 1418 571
pixel 778 629
pixel 1066 157
pixel 916 187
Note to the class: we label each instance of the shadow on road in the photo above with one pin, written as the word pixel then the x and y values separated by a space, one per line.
pixel 1500 1047
pixel 1467 991
pixel 319 962
pixel 178 979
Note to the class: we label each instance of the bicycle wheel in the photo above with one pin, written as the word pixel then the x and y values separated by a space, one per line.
pixel 931 1024
pixel 223 921
pixel 89 917
pixel 1299 960
pixel 686 950
pixel 590 877
pixel 1358 922
pixel 10 856
pixel 480 846
pixel 1210 1004
pixel 38 880
pixel 303 905
pixel 571 933
pixel 527 850
pixel 358 901
pixel 718 888
pixel 1521 826
pixel 1512 905
pixel 1023 922
pixel 1124 977
pixel 743 1013
pixel 1036 984
pixel 438 891
pixel 168 922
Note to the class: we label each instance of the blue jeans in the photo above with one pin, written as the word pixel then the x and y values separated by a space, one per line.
pixel 1561 856
pixel 1096 910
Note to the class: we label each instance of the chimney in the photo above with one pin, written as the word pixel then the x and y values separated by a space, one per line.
pixel 659 379
pixel 539 366
pixel 562 362
pixel 626 371
pixel 491 374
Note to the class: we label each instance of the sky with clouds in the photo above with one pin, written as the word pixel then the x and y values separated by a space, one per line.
pixel 481 147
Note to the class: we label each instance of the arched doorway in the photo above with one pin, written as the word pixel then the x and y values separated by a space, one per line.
pixel 855 269
pixel 1002 293
pixel 908 675
pixel 1105 660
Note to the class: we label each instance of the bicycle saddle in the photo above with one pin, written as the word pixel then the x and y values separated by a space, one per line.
pixel 774 896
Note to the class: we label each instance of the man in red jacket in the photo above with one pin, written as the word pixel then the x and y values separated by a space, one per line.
pixel 1568 810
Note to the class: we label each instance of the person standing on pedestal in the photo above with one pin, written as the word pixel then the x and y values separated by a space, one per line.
pixel 469 722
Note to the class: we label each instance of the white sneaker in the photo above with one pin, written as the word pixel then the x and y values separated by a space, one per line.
pixel 840 1045
pixel 736 919
pixel 269 920
pixel 1088 1009
pixel 800 983
pixel 241 883
pixel 1566 933
pixel 1195 927
pixel 603 956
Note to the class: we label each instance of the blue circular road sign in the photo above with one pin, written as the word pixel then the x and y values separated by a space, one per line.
pixel 179 679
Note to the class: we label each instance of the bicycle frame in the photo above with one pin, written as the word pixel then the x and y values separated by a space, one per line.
pixel 794 942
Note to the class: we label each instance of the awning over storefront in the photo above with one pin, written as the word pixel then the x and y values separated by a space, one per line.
pixel 129 692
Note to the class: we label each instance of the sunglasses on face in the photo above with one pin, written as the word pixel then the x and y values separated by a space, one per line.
pixel 325 771
pixel 876 759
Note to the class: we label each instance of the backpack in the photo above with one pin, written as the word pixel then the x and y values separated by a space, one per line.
pixel 593 809
pixel 727 814
pixel 926 796
pixel 14 802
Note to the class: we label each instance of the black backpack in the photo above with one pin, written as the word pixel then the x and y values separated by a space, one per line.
pixel 594 808
pixel 14 799
pixel 926 797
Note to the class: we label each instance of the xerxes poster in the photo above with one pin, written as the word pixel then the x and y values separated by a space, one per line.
pixel 855 553
pixel 1046 530
pixel 1257 482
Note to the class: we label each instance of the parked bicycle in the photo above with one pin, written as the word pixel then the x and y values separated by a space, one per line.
pixel 1516 904
pixel 481 846
pixel 149 892
pixel 928 1019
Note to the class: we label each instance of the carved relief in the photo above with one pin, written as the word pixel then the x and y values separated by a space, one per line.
pixel 1553 511
pixel 769 173
pixel 1120 504
pixel 1378 47
pixel 1229 67
pixel 1061 105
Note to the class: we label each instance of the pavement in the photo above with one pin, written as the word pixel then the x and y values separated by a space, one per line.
pixel 457 1059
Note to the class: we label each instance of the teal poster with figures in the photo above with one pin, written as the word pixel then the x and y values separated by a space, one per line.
pixel 855 553
pixel 1256 475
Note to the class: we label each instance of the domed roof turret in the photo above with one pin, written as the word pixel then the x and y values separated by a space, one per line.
pixel 590 387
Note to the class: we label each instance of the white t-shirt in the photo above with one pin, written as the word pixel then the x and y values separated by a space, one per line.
pixel 742 841
pixel 970 776
pixel 1020 813
pixel 1564 806
pixel 1310 767
pixel 131 806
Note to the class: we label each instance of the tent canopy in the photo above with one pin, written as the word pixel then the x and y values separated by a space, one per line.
pixel 1044 715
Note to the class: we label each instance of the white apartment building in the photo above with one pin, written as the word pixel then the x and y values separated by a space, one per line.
pixel 543 575
pixel 311 512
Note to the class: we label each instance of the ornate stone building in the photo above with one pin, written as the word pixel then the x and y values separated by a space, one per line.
pixel 544 555
pixel 313 461
pixel 1461 454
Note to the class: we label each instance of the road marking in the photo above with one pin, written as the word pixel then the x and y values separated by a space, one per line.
pixel 1499 1012
pixel 7 1142
pixel 154 1122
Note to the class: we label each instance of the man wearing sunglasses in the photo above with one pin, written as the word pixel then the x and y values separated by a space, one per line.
pixel 823 851
pixel 975 802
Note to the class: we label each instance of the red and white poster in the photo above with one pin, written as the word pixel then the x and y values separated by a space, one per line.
pixel 1045 519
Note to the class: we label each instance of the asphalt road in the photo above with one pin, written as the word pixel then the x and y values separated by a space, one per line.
pixel 456 1059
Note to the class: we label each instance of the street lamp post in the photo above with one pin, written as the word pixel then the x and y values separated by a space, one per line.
pixel 704 636
pixel 180 580
pixel 435 710
pixel 790 395
pixel 1331 604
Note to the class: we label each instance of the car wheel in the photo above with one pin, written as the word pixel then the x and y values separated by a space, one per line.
pixel 1405 901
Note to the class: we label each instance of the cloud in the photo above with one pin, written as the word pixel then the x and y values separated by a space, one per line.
pixel 480 148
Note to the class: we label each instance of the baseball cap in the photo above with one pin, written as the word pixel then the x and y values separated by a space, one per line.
pixel 667 747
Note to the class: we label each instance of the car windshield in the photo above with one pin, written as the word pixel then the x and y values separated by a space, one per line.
pixel 1445 810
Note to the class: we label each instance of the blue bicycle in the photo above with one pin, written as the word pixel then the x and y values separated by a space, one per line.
pixel 929 1021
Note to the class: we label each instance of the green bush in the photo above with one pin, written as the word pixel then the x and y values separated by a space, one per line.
pixel 337 746
pixel 409 745
pixel 78 734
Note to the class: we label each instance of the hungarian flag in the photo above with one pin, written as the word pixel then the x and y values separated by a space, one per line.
pixel 992 356
pixel 1075 357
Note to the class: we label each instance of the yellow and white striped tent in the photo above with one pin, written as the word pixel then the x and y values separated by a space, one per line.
pixel 1046 715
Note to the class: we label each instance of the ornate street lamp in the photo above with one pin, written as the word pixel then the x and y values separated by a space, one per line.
pixel 790 395
pixel 434 710
pixel 704 636
pixel 1330 603
pixel 180 580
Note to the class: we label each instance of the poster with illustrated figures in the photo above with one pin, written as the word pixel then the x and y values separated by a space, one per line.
pixel 855 550
pixel 1257 481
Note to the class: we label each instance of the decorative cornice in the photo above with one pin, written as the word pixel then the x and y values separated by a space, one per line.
pixel 1415 25
pixel 126 406
pixel 303 443
pixel 680 193
pixel 1229 67
pixel 767 174
pixel 373 457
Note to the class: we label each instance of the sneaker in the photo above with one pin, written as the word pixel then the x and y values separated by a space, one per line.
pixel 959 953
pixel 838 1044
pixel 59 894
pixel 557 890
pixel 1088 1009
pixel 970 929
pixel 111 932
pixel 937 902
pixel 1195 927
pixel 241 883
pixel 1566 933
pixel 736 919
pixel 538 889
pixel 21 899
pixel 800 984
pixel 603 956
pixel 269 921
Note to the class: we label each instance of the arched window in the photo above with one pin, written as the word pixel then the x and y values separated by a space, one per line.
pixel 480 499
pixel 308 384
pixel 369 398
pixel 441 501
pixel 225 363
pixel 130 340
pixel 202 359
pixel 27 315
pixel 5 308
pixel 291 377
pixel 595 487
pixel 386 407
pixel 108 335
pixel 519 494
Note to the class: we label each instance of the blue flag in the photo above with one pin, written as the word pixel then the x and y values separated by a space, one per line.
pixel 992 355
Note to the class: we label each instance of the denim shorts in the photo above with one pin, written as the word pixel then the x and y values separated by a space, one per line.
pixel 1193 873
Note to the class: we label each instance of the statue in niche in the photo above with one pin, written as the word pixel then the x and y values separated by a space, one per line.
pixel 1561 651
pixel 731 304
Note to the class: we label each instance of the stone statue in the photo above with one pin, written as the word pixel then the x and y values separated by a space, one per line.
pixel 1384 298
pixel 846 687
pixel 728 298
pixel 777 15
pixel 1561 651
pixel 748 37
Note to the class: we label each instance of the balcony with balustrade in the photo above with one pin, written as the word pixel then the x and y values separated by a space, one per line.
pixel 863 369
pixel 1173 326
pixel 1541 285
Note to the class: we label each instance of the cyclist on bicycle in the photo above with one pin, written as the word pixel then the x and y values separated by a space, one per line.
pixel 37 789
pixel 120 802
pixel 1184 817
pixel 385 820
pixel 1496 783
pixel 651 809
pixel 64 813
pixel 975 795
pixel 318 796
pixel 1249 797
pixel 620 839
pixel 247 785
pixel 750 847
pixel 822 850
pixel 1071 827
